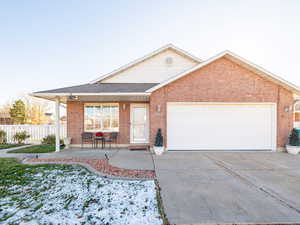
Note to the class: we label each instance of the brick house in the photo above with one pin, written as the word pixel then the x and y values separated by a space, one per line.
pixel 222 103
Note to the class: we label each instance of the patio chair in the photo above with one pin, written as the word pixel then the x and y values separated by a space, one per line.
pixel 87 137
pixel 99 136
pixel 112 138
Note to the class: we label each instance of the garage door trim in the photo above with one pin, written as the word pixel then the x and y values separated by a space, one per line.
pixel 273 117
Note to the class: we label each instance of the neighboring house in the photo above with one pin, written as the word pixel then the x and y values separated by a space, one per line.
pixel 222 103
pixel 5 118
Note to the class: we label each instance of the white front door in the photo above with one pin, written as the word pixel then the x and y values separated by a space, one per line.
pixel 139 120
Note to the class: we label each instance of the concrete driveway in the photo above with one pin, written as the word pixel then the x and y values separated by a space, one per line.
pixel 231 187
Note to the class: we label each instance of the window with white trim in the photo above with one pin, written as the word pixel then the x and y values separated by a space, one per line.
pixel 297 107
pixel 101 117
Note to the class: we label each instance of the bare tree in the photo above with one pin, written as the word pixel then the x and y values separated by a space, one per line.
pixel 36 110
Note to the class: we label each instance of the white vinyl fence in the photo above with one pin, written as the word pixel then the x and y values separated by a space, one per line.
pixel 36 132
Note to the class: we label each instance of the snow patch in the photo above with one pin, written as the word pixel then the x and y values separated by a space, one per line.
pixel 72 195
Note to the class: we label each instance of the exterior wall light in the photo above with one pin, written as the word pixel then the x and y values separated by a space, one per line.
pixel 158 109
pixel 73 97
pixel 287 108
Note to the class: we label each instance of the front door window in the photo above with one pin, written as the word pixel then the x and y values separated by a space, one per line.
pixel 139 123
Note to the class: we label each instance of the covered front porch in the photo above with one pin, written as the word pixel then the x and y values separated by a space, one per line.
pixel 124 113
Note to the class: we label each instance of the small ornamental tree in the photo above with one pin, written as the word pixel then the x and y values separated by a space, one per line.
pixel 159 139
pixel 294 138
pixel 3 137
pixel 17 112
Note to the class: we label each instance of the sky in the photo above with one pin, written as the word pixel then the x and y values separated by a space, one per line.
pixel 51 44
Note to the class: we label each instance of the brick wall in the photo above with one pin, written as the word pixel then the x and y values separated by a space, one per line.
pixel 297 117
pixel 75 125
pixel 222 81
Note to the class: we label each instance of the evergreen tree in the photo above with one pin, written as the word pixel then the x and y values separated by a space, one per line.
pixel 294 138
pixel 159 138
pixel 18 112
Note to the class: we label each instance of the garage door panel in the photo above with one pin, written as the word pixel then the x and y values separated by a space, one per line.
pixel 217 127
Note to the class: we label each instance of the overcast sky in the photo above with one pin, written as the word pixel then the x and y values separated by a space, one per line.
pixel 51 44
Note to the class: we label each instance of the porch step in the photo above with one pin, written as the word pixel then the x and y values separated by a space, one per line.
pixel 139 147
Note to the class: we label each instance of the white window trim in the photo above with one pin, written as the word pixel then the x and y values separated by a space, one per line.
pixel 101 104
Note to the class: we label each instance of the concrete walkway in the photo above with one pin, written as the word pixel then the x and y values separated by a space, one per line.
pixel 218 188
pixel 134 160
pixel 85 153
pixel 122 158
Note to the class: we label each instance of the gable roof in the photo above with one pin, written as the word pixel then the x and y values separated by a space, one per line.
pixel 239 60
pixel 156 52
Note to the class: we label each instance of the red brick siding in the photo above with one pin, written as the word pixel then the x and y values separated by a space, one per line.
pixel 222 81
pixel 75 120
pixel 297 117
pixel 75 125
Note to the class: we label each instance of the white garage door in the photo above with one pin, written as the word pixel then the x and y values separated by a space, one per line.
pixel 199 126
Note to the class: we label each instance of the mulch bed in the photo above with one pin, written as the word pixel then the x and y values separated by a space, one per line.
pixel 103 166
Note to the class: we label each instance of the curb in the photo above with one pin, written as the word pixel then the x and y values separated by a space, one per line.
pixel 89 168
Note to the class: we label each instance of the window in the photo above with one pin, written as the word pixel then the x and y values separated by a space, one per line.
pixel 101 117
pixel 297 107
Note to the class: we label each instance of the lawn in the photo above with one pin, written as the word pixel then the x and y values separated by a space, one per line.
pixel 44 148
pixel 69 194
pixel 5 146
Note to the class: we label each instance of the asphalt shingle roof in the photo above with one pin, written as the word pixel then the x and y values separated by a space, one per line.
pixel 103 88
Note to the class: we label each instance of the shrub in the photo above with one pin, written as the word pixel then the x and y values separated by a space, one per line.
pixel 21 136
pixel 3 137
pixel 159 140
pixel 50 140
pixel 294 138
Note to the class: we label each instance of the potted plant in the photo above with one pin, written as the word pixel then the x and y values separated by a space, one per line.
pixel 67 142
pixel 294 142
pixel 159 143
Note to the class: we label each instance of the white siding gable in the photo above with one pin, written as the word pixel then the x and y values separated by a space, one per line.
pixel 154 69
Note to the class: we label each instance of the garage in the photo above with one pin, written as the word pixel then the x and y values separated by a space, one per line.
pixel 221 126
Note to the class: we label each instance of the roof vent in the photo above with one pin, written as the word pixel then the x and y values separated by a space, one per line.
pixel 169 61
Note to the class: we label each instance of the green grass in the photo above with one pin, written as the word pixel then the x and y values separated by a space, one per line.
pixel 5 146
pixel 44 148
pixel 13 172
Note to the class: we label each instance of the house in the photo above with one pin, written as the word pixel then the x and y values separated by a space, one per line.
pixel 5 118
pixel 222 103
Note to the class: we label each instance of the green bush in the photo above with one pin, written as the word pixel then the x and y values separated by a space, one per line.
pixel 3 136
pixel 294 138
pixel 50 140
pixel 21 136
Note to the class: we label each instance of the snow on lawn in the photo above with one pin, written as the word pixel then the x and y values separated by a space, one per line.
pixel 72 195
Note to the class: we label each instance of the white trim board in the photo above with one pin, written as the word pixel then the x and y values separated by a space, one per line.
pixel 91 94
